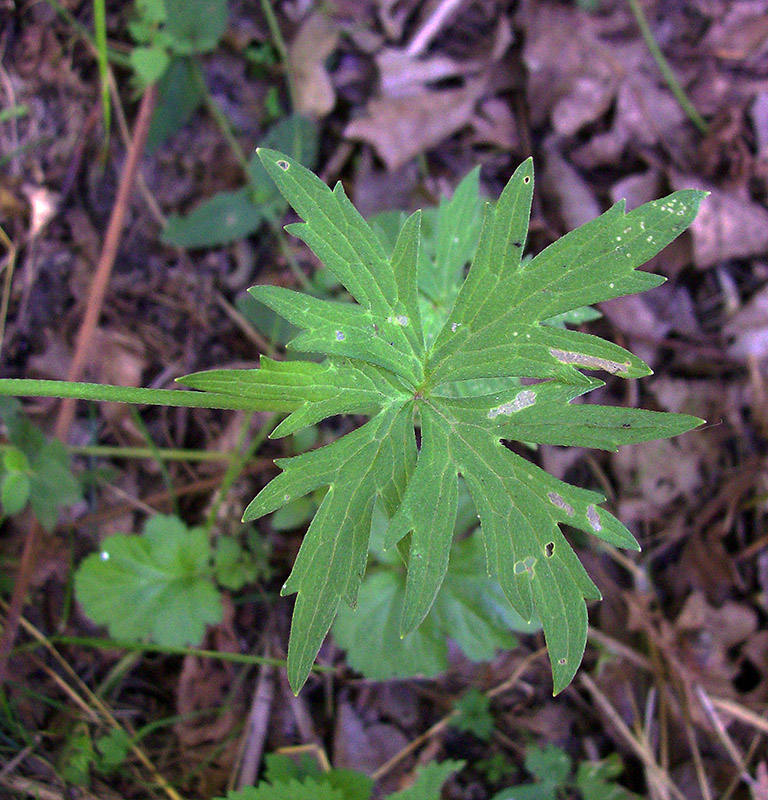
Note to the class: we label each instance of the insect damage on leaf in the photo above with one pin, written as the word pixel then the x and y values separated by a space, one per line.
pixel 419 346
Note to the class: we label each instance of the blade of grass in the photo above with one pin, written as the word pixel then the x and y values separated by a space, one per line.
pixel 10 266
pixel 102 59
pixel 279 42
pixel 162 453
pixel 666 71
pixel 164 474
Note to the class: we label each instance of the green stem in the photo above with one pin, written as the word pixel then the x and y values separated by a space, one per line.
pixel 164 474
pixel 143 647
pixel 224 125
pixel 279 42
pixel 669 76
pixel 166 454
pixel 102 58
pixel 115 56
pixel 237 464
pixel 179 398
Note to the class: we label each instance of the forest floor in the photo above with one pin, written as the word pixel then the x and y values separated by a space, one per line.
pixel 406 97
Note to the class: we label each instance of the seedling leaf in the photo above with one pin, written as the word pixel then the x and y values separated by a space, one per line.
pixel 469 608
pixel 155 586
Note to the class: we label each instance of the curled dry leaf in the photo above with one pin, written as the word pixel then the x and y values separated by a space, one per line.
pixel 316 40
pixel 402 127
pixel 729 226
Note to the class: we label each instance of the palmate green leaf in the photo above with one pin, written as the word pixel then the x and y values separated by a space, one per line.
pixel 470 609
pixel 464 393
pixel 494 371
pixel 155 586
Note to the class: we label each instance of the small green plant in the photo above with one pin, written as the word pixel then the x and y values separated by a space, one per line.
pixel 165 30
pixel 229 216
pixel 552 769
pixel 470 609
pixel 33 472
pixel 447 370
pixel 165 577
pixel 170 37
pixel 475 714
pixel 287 779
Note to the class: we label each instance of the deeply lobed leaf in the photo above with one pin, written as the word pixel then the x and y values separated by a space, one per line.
pixel 470 365
pixel 456 377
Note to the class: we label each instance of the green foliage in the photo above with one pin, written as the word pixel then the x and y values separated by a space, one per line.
pixel 469 364
pixel 229 216
pixel 407 362
pixel 475 715
pixel 167 29
pixel 470 608
pixel 156 586
pixel 76 756
pixel 428 782
pixel 552 769
pixel 169 36
pixel 160 586
pixel 34 471
pixel 288 780
pixel 235 566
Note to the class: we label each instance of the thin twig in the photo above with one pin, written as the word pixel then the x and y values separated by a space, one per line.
pixel 432 27
pixel 256 726
pixel 643 753
pixel 103 272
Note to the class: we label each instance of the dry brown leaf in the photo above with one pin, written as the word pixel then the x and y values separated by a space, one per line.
pixel 727 226
pixel 494 124
pixel 402 75
pixel 748 329
pixel 360 746
pixel 577 203
pixel 739 34
pixel 572 75
pixel 402 127
pixel 316 40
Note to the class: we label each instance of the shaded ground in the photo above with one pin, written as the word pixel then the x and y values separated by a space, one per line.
pixel 675 678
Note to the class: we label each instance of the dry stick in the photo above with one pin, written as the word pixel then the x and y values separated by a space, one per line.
pixel 642 751
pixel 722 734
pixel 256 726
pixel 90 320
pixel 443 723
pixel 107 258
pixel 100 708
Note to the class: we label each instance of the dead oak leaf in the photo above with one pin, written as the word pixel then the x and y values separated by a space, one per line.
pixel 400 128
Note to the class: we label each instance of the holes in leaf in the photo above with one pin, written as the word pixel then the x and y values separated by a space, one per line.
pixel 527 179
pixel 340 337
pixel 283 165
pixel 525 566
pixel 562 661
pixel 549 549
